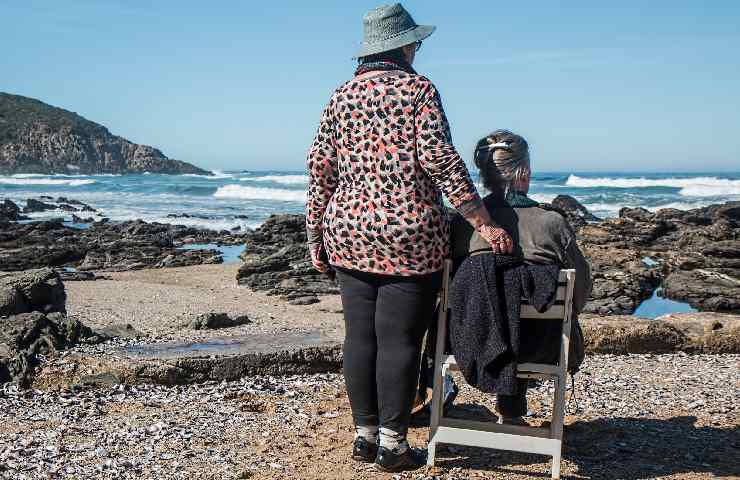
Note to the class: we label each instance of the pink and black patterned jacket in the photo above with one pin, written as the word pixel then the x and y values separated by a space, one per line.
pixel 381 160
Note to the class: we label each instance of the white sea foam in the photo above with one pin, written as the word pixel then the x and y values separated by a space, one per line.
pixel 605 209
pixel 259 193
pixel 690 187
pixel 215 176
pixel 542 197
pixel 43 181
pixel 286 179
pixel 211 224
pixel 62 175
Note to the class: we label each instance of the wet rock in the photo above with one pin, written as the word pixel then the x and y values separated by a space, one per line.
pixel 33 206
pixel 714 290
pixel 212 321
pixel 76 276
pixel 638 214
pixel 624 232
pixel 120 331
pixel 106 245
pixel 231 358
pixel 76 219
pixel 32 290
pixel 276 260
pixel 577 214
pixel 11 212
pixel 621 280
pixel 25 336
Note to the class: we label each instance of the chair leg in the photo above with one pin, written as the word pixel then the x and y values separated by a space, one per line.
pixel 558 418
pixel 431 451
pixel 556 463
pixel 558 408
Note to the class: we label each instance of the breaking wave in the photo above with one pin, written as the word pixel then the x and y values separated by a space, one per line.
pixel 27 180
pixel 258 193
pixel 690 187
pixel 287 179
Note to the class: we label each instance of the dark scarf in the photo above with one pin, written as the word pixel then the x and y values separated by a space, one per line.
pixel 514 199
pixel 520 200
pixel 384 64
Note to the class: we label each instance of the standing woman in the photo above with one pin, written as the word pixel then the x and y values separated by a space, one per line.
pixel 381 160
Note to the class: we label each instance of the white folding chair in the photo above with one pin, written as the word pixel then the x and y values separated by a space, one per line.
pixel 541 440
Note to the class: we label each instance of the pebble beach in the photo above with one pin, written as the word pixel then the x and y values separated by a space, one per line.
pixel 636 416
pixel 672 415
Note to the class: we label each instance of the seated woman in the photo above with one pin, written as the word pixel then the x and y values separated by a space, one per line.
pixel 541 236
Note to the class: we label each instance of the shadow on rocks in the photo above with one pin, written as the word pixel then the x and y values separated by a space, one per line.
pixel 622 448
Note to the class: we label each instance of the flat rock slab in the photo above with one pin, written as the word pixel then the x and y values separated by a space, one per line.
pixel 179 363
pixel 255 344
pixel 707 332
pixel 304 352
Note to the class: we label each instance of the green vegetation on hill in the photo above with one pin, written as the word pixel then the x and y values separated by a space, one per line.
pixel 39 138
pixel 16 112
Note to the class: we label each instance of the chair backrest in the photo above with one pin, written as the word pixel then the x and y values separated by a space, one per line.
pixel 563 305
pixel 560 310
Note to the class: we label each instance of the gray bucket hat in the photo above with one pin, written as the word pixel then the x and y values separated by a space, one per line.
pixel 390 27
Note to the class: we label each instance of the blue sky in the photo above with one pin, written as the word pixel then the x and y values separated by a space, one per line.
pixel 594 86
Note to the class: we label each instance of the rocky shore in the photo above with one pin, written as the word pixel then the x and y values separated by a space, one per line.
pixel 694 254
pixel 102 245
pixel 672 415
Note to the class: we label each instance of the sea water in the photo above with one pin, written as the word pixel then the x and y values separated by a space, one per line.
pixel 245 199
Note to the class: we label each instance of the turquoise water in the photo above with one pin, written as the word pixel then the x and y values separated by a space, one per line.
pixel 230 253
pixel 656 306
pixel 246 198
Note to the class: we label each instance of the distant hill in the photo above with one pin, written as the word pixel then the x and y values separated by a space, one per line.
pixel 38 138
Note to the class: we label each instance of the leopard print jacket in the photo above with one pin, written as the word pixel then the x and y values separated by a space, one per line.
pixel 380 162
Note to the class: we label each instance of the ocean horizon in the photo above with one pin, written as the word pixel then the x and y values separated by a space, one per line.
pixel 245 198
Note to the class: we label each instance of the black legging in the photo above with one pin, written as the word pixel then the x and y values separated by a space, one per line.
pixel 385 318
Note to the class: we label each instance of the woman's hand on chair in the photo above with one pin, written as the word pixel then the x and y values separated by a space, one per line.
pixel 498 238
pixel 318 258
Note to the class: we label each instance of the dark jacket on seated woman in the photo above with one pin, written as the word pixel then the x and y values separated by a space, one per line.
pixel 541 236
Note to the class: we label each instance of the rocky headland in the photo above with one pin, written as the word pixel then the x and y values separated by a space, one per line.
pixel 39 138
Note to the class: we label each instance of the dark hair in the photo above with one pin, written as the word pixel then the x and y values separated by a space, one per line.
pixel 502 166
pixel 396 56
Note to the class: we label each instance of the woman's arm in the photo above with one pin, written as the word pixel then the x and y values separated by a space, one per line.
pixel 441 161
pixel 322 181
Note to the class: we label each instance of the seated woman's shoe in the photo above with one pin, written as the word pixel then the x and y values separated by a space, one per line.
pixel 411 459
pixel 364 451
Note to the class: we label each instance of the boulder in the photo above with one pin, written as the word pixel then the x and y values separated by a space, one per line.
pixel 32 290
pixel 10 212
pixel 25 336
pixel 638 214
pixel 621 280
pixel 76 219
pixel 212 321
pixel 573 210
pixel 276 260
pixel 705 289
pixel 33 206
pixel 120 330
